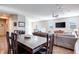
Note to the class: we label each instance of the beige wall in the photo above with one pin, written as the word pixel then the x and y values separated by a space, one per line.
pixel 53 21
pixel 12 19
pixel 19 18
pixel 16 18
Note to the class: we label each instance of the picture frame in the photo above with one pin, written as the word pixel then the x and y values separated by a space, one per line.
pixel 15 23
pixel 73 25
pixel 21 24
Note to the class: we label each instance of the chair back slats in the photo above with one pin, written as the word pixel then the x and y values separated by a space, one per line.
pixel 50 42
pixel 14 42
pixel 8 42
pixel 47 44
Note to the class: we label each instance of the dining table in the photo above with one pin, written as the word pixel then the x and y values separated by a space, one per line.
pixel 33 43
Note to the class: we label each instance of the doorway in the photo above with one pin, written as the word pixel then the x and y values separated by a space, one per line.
pixel 3 29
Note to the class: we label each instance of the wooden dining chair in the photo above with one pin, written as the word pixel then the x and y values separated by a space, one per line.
pixel 8 42
pixel 48 48
pixel 14 42
pixel 50 43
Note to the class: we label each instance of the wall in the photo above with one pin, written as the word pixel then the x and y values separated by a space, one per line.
pixel 28 26
pixel 68 22
pixel 16 18
pixel 12 19
pixel 45 24
pixel 20 18
pixel 39 25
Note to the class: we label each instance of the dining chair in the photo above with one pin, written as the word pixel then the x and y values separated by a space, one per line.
pixel 48 48
pixel 45 48
pixel 8 42
pixel 14 42
pixel 51 43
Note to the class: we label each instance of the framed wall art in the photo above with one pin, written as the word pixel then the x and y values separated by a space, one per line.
pixel 21 24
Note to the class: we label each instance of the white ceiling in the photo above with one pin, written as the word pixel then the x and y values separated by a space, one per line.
pixel 44 11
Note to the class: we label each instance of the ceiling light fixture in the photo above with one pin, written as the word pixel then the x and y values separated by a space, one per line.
pixel 57 11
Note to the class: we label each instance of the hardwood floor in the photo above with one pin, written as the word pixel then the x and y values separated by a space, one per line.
pixel 56 49
pixel 60 50
pixel 3 45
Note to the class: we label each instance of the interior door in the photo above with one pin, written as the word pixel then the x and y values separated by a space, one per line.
pixel 2 35
pixel 2 28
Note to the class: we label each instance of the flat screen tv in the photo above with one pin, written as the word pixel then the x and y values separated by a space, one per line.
pixel 60 25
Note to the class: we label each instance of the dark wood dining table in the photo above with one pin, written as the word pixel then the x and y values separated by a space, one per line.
pixel 32 44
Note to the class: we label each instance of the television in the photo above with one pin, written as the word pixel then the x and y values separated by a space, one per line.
pixel 60 25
